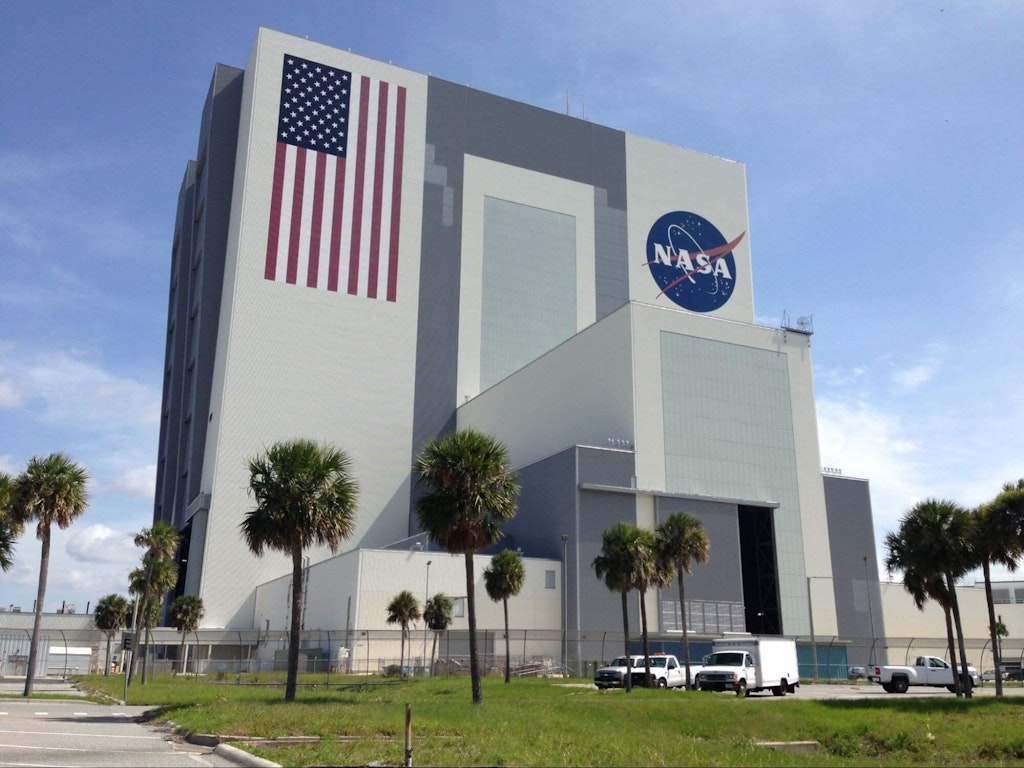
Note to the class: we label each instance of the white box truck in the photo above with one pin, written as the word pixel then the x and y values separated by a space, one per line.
pixel 745 663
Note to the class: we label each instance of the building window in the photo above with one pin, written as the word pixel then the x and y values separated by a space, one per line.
pixel 458 607
pixel 549 580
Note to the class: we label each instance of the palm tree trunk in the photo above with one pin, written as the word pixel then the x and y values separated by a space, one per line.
pixel 960 635
pixel 37 623
pixel 145 648
pixel 401 655
pixel 508 659
pixel 433 653
pixel 997 656
pixel 682 621
pixel 628 682
pixel 951 648
pixel 643 631
pixel 181 653
pixel 474 669
pixel 296 624
pixel 106 666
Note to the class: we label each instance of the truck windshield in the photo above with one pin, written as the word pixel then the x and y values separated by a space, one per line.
pixel 619 661
pixel 724 659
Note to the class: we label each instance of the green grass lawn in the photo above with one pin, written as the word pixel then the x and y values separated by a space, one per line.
pixel 538 722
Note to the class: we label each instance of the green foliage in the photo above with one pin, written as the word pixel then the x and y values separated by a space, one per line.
pixel 360 723
pixel 10 527
pixel 51 490
pixel 438 612
pixel 503 579
pixel 470 491
pixel 403 609
pixel 186 613
pixel 305 494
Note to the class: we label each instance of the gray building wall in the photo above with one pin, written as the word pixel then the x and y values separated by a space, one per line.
pixel 717 579
pixel 855 584
pixel 197 278
pixel 464 121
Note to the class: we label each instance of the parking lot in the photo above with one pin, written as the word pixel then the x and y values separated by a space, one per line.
pixel 862 689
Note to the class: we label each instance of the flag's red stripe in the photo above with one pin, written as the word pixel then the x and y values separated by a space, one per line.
pixel 378 188
pixel 396 196
pixel 339 207
pixel 274 233
pixel 318 219
pixel 357 198
pixel 293 240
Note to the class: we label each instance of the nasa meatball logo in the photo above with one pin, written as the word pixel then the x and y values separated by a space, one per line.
pixel 691 261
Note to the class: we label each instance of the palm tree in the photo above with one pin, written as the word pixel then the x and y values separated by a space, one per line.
pixel 10 527
pixel 649 572
pixel 50 490
pixel 615 564
pixel 922 583
pixel 110 615
pixel 438 615
pixel 150 582
pixel 996 538
pixel 503 579
pixel 186 613
pixel 471 491
pixel 403 610
pixel 934 543
pixel 682 540
pixel 305 495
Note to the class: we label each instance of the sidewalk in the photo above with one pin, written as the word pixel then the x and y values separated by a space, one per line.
pixel 49 686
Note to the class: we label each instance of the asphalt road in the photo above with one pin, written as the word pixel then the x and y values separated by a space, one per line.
pixel 65 732
pixel 861 689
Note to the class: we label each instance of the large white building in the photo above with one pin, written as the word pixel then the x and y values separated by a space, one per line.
pixel 370 256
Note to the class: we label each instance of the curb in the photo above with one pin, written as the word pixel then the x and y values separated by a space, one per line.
pixel 241 757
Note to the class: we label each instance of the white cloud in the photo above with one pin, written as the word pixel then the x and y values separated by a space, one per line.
pixel 68 388
pixel 99 544
pixel 137 482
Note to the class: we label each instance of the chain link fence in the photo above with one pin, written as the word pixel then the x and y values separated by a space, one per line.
pixel 223 652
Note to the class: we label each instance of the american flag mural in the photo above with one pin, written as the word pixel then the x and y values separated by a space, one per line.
pixel 337 204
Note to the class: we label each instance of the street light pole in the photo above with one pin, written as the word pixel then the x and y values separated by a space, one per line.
pixel 426 598
pixel 565 607
pixel 810 615
pixel 871 612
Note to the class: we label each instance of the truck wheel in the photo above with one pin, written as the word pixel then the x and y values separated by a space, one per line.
pixel 783 687
pixel 662 682
pixel 707 688
pixel 887 687
pixel 741 689
pixel 966 684
pixel 900 685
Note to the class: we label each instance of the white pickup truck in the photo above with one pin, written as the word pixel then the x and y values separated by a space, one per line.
pixel 927 670
pixel 666 670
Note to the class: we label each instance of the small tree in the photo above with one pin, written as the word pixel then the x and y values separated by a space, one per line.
pixel 186 613
pixel 157 575
pixel 403 610
pixel 438 616
pixel 10 528
pixel 305 495
pixel 503 579
pixel 471 490
pixel 50 491
pixel 615 565
pixel 682 540
pixel 110 616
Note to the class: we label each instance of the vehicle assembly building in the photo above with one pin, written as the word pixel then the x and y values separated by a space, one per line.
pixel 371 257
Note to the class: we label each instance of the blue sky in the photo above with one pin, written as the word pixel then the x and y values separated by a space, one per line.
pixel 884 161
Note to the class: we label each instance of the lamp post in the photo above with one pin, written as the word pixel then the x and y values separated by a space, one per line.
pixel 871 611
pixel 565 607
pixel 426 597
